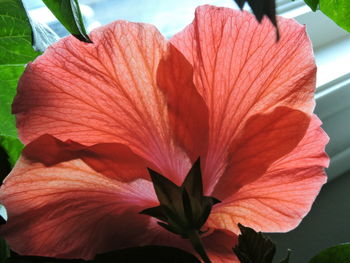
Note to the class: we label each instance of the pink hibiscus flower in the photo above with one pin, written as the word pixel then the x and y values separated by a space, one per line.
pixel 221 89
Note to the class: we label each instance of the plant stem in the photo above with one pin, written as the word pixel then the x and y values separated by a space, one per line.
pixel 198 245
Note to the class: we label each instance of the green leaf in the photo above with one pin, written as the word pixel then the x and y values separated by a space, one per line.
pixel 156 212
pixel 15 34
pixel 5 166
pixel 313 4
pixel 68 13
pixel 13 148
pixel 338 11
pixel 8 85
pixel 193 181
pixel 154 254
pixel 4 251
pixel 15 51
pixel 336 254
pixel 167 192
pixel 192 193
pixel 206 205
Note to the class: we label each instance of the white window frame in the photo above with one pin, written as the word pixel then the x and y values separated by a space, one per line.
pixel 332 52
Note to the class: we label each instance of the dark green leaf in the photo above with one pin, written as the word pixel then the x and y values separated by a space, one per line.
pixel 262 8
pixel 313 4
pixel 171 228
pixel 188 209
pixel 5 166
pixel 13 148
pixel 156 212
pixel 4 251
pixel 15 51
pixel 168 193
pixel 338 11
pixel 193 181
pixel 8 85
pixel 154 254
pixel 68 13
pixel 192 191
pixel 15 34
pixel 254 247
pixel 207 204
pixel 336 254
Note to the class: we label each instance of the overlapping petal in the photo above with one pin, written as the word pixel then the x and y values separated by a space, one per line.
pixel 264 139
pixel 114 160
pixel 241 71
pixel 279 199
pixel 71 211
pixel 188 114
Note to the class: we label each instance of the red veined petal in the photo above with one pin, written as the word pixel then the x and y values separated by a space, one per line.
pixel 108 92
pixel 279 199
pixel 264 139
pixel 71 211
pixel 240 71
pixel 114 160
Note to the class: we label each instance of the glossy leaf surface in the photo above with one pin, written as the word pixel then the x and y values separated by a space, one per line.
pixel 338 11
pixel 15 51
pixel 68 13
pixel 12 146
pixel 4 250
pixel 339 253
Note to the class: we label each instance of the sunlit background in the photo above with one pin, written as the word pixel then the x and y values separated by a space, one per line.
pixel 169 16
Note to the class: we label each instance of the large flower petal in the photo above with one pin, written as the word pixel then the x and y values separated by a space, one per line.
pixel 108 92
pixel 71 211
pixel 278 200
pixel 240 71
